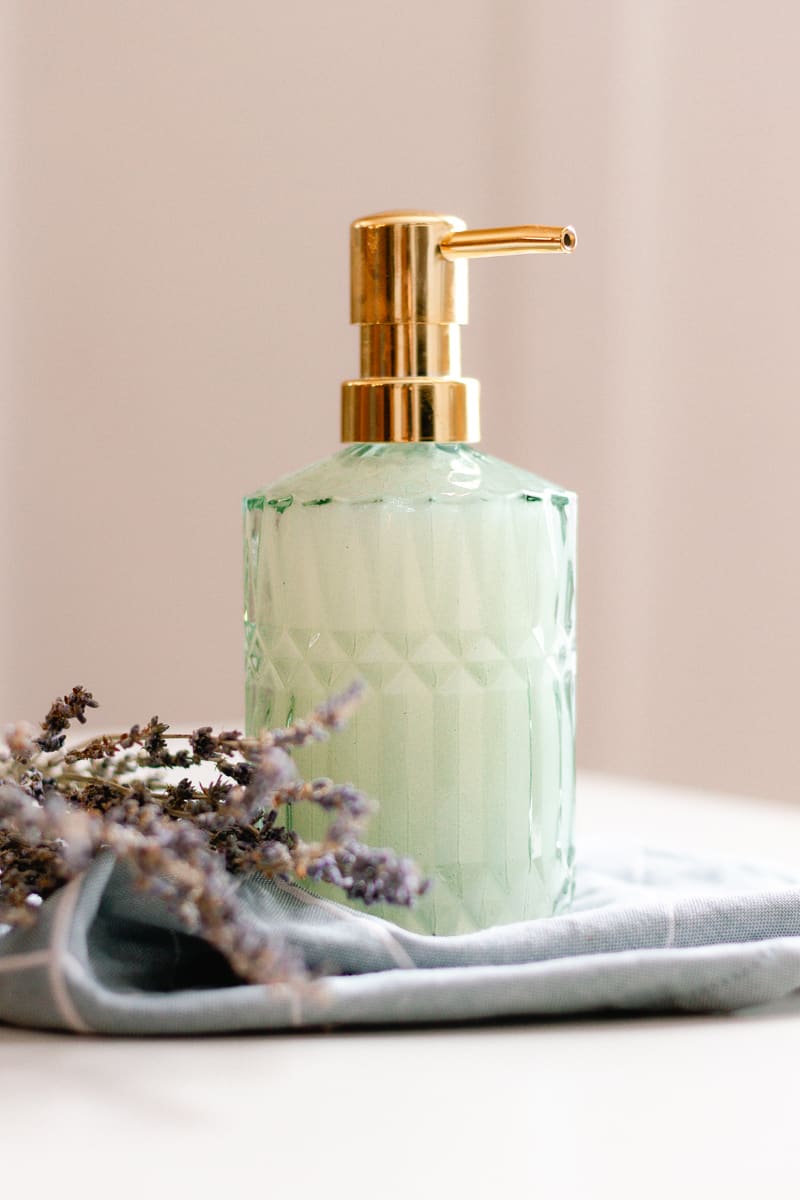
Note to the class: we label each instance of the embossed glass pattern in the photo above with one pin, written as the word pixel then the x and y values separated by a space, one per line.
pixel 446 579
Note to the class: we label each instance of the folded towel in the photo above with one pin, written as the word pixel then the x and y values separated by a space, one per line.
pixel 649 931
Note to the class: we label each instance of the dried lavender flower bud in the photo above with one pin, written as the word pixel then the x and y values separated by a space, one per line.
pixel 62 711
pixel 20 740
pixel 374 876
pixel 241 772
pixel 97 748
pixel 326 719
pixel 203 743
pixel 330 796
pixel 337 711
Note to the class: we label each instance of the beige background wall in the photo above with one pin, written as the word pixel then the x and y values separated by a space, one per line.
pixel 177 183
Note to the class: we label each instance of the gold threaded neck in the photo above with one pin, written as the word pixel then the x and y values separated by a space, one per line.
pixel 411 410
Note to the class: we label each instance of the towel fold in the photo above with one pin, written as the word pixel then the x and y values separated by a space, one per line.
pixel 649 931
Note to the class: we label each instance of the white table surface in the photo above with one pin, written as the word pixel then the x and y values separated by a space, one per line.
pixel 644 1107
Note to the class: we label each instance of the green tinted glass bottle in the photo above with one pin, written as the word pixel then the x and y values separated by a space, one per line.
pixel 445 579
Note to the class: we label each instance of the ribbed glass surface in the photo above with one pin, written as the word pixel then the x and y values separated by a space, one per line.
pixel 446 579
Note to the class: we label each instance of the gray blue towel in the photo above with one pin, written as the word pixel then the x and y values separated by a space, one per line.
pixel 649 931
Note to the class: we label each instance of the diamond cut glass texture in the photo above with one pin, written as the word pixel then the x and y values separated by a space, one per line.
pixel 446 579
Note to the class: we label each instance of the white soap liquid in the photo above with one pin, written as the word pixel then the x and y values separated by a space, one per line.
pixel 445 579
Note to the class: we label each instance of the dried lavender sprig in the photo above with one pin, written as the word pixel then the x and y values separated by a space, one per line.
pixel 169 858
pixel 329 717
pixel 25 869
pixel 172 860
pixel 330 796
pixel 373 876
pixel 268 769
pixel 160 827
pixel 75 833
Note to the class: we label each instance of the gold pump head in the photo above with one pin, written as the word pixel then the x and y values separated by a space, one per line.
pixel 409 295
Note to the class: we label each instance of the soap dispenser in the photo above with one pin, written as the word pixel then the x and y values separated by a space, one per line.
pixel 444 578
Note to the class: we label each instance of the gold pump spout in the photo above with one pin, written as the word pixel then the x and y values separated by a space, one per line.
pixel 409 295
pixel 514 239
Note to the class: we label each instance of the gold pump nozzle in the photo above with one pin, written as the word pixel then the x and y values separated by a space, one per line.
pixel 515 239
pixel 409 296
